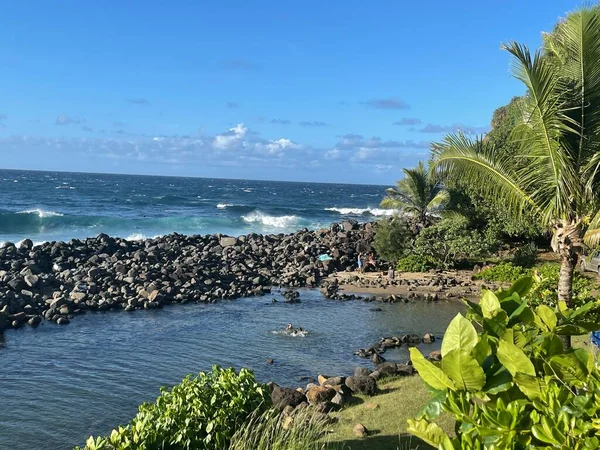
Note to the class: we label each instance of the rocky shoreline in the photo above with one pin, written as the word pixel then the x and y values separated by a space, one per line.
pixel 56 281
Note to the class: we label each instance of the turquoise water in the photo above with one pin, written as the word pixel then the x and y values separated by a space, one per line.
pixel 48 206
pixel 60 384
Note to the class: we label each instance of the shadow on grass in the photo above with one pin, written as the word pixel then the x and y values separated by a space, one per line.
pixel 397 442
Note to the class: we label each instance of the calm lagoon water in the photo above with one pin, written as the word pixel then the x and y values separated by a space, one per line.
pixel 59 384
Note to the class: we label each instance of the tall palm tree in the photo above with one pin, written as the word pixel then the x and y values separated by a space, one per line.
pixel 555 171
pixel 419 194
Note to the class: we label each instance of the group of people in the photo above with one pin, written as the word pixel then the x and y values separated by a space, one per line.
pixel 365 263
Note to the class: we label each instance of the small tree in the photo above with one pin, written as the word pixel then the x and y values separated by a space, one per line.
pixel 392 239
pixel 418 194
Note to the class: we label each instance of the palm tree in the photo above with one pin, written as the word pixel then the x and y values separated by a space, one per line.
pixel 555 170
pixel 419 194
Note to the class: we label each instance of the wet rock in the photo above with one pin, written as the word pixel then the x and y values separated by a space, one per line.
pixel 428 338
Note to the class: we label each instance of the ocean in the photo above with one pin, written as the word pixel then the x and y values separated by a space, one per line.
pixel 59 206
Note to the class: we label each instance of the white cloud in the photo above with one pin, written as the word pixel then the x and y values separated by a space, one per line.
pixel 232 137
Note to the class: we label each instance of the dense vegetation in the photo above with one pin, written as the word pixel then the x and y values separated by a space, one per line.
pixel 199 413
pixel 513 385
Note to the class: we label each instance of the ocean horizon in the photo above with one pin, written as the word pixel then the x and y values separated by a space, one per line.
pixel 60 206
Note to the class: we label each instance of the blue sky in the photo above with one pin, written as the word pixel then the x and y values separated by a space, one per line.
pixel 346 91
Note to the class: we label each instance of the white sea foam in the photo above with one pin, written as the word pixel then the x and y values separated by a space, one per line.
pixel 224 205
pixel 136 237
pixel 361 211
pixel 271 221
pixel 41 213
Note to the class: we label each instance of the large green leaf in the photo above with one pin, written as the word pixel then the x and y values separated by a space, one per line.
pixel 569 367
pixel 430 433
pixel 430 373
pixel 464 370
pixel 545 319
pixel 532 387
pixel 514 359
pixel 490 305
pixel 460 334
pixel 522 286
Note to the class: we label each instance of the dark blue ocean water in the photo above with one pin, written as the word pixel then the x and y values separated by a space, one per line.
pixel 49 206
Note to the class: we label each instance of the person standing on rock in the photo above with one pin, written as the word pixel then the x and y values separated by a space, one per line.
pixel 360 262
pixel 391 273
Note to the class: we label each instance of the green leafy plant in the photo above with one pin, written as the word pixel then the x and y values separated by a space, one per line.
pixel 199 413
pixel 526 255
pixel 391 238
pixel 512 385
pixel 450 242
pixel 414 263
pixel 502 272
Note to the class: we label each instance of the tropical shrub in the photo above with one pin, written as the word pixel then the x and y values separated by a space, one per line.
pixel 546 279
pixel 544 289
pixel 450 242
pixel 199 413
pixel 526 255
pixel 270 430
pixel 513 385
pixel 414 263
pixel 501 272
pixel 391 239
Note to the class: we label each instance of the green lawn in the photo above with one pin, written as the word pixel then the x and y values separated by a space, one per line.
pixel 399 400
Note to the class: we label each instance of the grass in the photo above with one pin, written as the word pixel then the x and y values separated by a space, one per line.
pixel 400 399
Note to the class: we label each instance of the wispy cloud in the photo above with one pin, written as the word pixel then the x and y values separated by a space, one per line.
pixel 440 129
pixel 280 121
pixel 239 64
pixel 387 103
pixel 138 101
pixel 3 117
pixel 88 129
pixel 408 121
pixel 63 119
pixel 232 105
pixel 313 124
pixel 118 124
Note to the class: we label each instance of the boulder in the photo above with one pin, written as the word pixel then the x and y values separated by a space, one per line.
pixel 429 338
pixel 319 394
pixel 227 241
pixel 362 385
pixel 282 397
pixel 360 430
pixel 361 372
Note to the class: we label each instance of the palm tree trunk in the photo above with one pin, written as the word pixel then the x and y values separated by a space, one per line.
pixel 565 285
pixel 567 242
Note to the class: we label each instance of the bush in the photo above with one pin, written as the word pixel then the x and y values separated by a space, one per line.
pixel 304 430
pixel 199 413
pixel 450 242
pixel 413 263
pixel 526 255
pixel 391 238
pixel 545 291
pixel 513 385
pixel 502 272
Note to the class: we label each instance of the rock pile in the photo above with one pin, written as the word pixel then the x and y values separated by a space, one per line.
pixel 58 280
